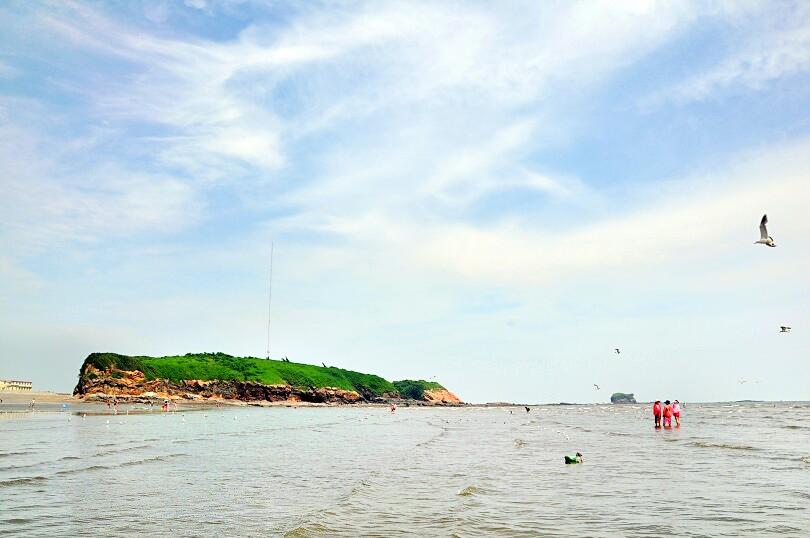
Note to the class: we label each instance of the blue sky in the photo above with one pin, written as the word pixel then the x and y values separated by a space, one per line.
pixel 494 195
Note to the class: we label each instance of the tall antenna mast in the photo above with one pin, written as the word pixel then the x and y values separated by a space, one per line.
pixel 269 300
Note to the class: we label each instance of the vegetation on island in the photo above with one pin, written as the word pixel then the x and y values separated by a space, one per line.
pixel 621 397
pixel 223 367
pixel 415 389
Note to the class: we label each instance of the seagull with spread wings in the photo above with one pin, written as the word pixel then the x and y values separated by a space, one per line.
pixel 784 329
pixel 597 386
pixel 764 238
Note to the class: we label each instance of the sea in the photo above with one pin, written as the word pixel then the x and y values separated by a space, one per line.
pixel 731 469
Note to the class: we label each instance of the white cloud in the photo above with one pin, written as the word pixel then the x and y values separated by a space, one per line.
pixel 45 203
pixel 776 48
pixel 704 218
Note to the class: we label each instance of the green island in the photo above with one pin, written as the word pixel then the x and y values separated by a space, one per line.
pixel 218 375
pixel 621 397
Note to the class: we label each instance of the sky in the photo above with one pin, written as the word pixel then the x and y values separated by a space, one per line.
pixel 494 195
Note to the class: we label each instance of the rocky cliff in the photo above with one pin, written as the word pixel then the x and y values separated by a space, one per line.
pixel 204 376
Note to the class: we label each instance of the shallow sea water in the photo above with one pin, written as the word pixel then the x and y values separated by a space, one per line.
pixel 731 469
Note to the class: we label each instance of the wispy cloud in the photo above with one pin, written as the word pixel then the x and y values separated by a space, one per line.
pixel 776 49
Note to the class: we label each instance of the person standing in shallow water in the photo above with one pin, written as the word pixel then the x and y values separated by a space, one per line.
pixel 667 414
pixel 676 412
pixel 657 413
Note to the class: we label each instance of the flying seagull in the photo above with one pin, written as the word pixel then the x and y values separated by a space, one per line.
pixel 616 350
pixel 764 238
pixel 784 329
pixel 597 386
pixel 743 381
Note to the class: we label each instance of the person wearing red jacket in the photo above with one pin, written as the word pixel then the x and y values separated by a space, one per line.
pixel 667 414
pixel 657 412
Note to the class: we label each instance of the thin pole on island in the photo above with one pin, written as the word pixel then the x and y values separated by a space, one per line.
pixel 269 300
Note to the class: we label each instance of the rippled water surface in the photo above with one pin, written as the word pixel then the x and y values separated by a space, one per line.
pixel 730 469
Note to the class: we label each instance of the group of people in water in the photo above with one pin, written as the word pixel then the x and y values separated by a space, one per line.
pixel 664 414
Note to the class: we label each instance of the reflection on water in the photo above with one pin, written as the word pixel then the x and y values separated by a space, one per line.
pixel 730 469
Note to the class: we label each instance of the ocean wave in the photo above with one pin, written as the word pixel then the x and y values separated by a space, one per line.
pixel 469 490
pixel 151 460
pixel 730 446
pixel 16 521
pixel 21 481
pixel 120 450
pixel 18 467
pixel 83 469
pixel 315 529
pixel 6 454
pixel 118 465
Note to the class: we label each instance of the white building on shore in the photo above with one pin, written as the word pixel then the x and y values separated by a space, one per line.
pixel 11 385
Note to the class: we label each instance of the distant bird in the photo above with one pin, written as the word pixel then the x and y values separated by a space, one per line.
pixel 616 350
pixel 324 365
pixel 527 409
pixel 764 238
pixel 743 381
pixel 784 329
pixel 597 386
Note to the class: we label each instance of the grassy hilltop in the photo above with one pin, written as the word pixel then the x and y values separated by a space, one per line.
pixel 222 367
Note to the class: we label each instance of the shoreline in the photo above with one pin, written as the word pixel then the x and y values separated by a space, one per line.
pixel 51 398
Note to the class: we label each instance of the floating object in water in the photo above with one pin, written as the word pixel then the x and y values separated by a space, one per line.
pixel 469 490
pixel 573 459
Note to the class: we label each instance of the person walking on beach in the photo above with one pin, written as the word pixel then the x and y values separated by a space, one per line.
pixel 657 413
pixel 676 412
pixel 667 414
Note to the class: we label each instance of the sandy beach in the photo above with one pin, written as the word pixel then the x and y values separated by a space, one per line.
pixel 40 397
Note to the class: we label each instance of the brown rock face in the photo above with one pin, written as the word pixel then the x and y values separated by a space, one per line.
pixel 441 396
pixel 134 383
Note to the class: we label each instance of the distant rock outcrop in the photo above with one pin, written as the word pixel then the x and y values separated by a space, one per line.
pixel 621 397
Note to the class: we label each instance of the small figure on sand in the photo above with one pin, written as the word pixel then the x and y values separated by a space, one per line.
pixel 393 408
pixel 33 403
pixel 573 459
